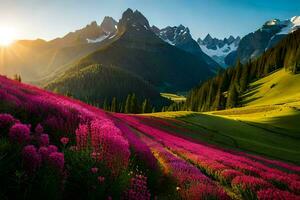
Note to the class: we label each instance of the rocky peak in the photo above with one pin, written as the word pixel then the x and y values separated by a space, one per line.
pixel 133 19
pixel 108 25
pixel 175 35
pixel 208 38
pixel 155 29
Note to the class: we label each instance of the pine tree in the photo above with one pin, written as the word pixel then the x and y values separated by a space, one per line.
pixel 153 110
pixel 105 106
pixel 232 97
pixel 217 102
pixel 146 108
pixel 128 104
pixel 113 105
pixel 133 104
pixel 244 78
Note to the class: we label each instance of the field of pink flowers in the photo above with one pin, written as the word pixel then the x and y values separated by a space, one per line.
pixel 55 147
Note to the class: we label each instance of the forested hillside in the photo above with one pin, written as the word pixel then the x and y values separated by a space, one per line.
pixel 108 87
pixel 139 50
pixel 224 90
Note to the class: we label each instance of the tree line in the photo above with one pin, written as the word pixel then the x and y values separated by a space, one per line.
pixel 131 105
pixel 224 90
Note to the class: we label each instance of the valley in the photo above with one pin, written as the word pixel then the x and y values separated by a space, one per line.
pixel 130 110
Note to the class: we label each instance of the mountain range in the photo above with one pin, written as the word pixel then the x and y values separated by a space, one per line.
pixel 159 60
pixel 134 51
pixel 219 49
pixel 256 43
pixel 179 36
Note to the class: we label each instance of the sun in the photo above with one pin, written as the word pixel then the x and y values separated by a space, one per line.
pixel 7 35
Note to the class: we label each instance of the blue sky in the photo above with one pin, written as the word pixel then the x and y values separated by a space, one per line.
pixel 48 19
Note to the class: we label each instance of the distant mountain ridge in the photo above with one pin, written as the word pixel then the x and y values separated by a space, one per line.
pixel 179 36
pixel 256 43
pixel 218 49
pixel 139 50
pixel 36 60
pixel 135 55
pixel 91 33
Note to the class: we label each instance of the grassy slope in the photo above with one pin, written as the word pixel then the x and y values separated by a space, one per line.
pixel 173 97
pixel 267 125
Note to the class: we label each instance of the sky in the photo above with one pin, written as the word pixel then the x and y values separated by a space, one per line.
pixel 48 19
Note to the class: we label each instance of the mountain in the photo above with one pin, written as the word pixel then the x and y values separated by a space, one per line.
pixel 95 83
pixel 138 50
pixel 226 89
pixel 254 44
pixel 37 59
pixel 218 49
pixel 92 33
pixel 179 36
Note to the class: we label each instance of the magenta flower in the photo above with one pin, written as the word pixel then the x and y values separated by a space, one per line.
pixel 82 136
pixel 52 149
pixel 227 175
pixel 44 140
pixel 44 152
pixel 19 133
pixel 101 179
pixel 275 194
pixel 94 170
pixel 57 160
pixel 39 129
pixel 6 121
pixel 31 158
pixel 249 183
pixel 64 140
pixel 138 189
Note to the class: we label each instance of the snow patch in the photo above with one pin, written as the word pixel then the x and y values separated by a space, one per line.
pixel 99 39
pixel 220 52
pixel 290 25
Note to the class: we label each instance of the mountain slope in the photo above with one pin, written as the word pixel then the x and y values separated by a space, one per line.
pixel 277 88
pixel 179 36
pixel 223 90
pixel 137 49
pixel 36 59
pixel 256 43
pixel 95 83
pixel 219 49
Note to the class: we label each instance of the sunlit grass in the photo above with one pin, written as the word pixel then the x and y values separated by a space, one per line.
pixel 173 97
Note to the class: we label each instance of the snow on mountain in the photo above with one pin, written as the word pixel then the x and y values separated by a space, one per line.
pixel 218 49
pixel 174 35
pixel 180 37
pixel 108 29
pixel 99 39
pixel 290 25
pixel 256 43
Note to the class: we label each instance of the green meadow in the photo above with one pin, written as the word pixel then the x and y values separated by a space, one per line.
pixel 266 124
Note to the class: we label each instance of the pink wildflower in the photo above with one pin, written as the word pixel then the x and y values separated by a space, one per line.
pixel 31 158
pixel 52 148
pixel 57 160
pixel 249 185
pixel 227 175
pixel 44 140
pixel 275 194
pixel 43 151
pixel 64 140
pixel 82 136
pixel 94 170
pixel 138 189
pixel 101 179
pixel 39 129
pixel 19 133
pixel 6 121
